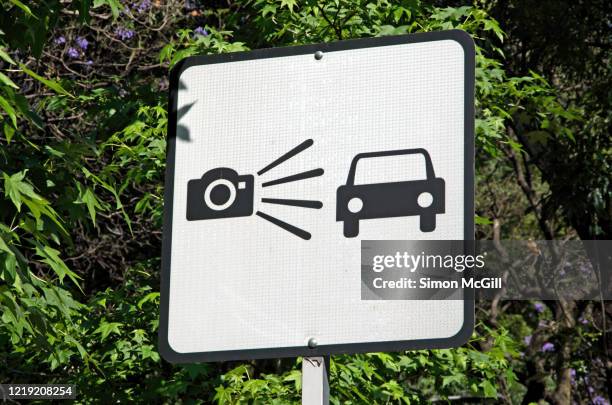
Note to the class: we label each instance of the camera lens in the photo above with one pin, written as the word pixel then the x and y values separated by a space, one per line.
pixel 220 194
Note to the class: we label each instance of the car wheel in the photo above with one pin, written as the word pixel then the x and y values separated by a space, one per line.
pixel 351 228
pixel 428 222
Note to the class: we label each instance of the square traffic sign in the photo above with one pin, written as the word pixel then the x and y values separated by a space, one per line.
pixel 280 162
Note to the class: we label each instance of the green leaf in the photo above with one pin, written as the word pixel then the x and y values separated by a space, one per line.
pixel 489 389
pixel 148 351
pixel 106 328
pixel 22 6
pixel 149 297
pixel 6 57
pixel 452 379
pixel 51 257
pixel 268 9
pixel 492 25
pixel 4 247
pixel 10 267
pixel 166 53
pixel 7 80
pixel 83 9
pixel 21 192
pixel 52 84
pixel 79 347
pixel 9 110
pixel 223 395
pixel 9 131
pixel 62 300
pixel 289 4
pixel 15 187
pixel 296 377
pixel 482 220
pixel 114 5
pixel 88 198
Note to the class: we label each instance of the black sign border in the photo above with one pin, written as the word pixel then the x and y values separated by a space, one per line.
pixel 461 337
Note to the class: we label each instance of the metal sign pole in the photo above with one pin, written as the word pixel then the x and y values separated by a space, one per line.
pixel 315 385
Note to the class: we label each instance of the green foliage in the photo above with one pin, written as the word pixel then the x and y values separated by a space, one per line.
pixel 406 378
pixel 188 43
pixel 139 154
pixel 82 162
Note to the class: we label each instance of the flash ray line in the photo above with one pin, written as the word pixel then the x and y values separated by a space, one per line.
pixel 287 227
pixel 301 147
pixel 294 177
pixel 294 203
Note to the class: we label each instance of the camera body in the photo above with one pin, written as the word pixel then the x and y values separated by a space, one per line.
pixel 220 193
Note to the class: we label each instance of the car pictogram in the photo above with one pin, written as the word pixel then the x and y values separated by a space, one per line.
pixel 425 197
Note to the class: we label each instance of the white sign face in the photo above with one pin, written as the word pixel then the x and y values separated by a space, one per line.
pixel 280 162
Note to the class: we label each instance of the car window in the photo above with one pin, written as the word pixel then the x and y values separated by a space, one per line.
pixel 387 169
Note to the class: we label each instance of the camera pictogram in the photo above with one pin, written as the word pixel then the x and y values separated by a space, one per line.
pixel 220 193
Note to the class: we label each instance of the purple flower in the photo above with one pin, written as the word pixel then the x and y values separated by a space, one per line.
pixel 548 347
pixel 599 400
pixel 143 6
pixel 199 31
pixel 124 33
pixel 539 307
pixel 60 40
pixel 73 53
pixel 583 321
pixel 585 268
pixel 89 62
pixel 527 340
pixel 573 376
pixel 82 43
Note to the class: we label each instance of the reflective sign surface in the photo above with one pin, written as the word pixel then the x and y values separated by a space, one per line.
pixel 280 163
